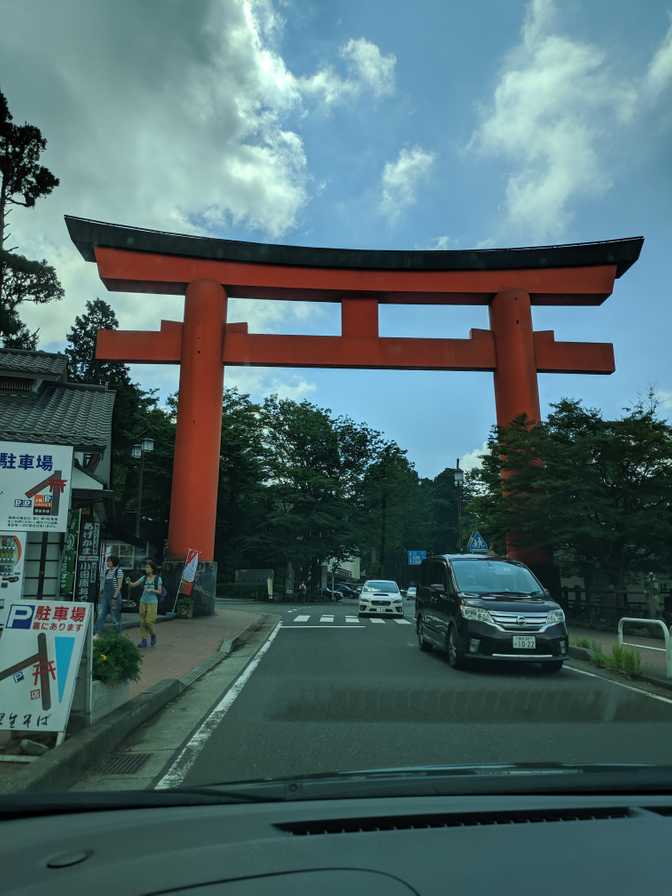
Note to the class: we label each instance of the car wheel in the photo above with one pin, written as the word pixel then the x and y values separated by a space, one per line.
pixel 423 643
pixel 455 657
pixel 549 668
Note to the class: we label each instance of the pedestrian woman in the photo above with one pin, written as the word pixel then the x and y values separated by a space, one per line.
pixel 149 601
pixel 110 595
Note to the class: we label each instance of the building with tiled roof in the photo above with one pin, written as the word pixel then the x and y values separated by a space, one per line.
pixel 39 404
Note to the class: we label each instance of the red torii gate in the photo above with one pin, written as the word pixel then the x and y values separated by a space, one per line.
pixel 206 271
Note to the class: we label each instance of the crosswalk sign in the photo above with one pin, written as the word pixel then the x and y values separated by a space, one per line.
pixel 477 544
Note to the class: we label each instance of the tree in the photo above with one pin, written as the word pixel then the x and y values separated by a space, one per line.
pixel 136 411
pixel 22 182
pixel 22 280
pixel 599 491
pixel 316 465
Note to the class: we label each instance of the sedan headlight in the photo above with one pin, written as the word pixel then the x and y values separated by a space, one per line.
pixel 476 613
pixel 554 617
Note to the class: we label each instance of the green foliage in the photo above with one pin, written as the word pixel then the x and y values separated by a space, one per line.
pixel 598 491
pixel 597 655
pixel 583 642
pixel 22 182
pixel 136 414
pixel 623 659
pixel 115 659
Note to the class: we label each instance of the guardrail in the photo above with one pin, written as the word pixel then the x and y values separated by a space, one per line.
pixel 666 635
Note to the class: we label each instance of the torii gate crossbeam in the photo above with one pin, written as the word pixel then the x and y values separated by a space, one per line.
pixel 207 271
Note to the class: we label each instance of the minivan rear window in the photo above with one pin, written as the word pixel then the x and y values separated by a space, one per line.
pixel 498 576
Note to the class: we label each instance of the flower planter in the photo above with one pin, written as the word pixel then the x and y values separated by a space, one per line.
pixel 105 698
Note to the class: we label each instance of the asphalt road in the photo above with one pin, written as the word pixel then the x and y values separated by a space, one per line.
pixel 339 694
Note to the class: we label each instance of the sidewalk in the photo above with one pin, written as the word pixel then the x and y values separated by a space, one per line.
pixel 183 644
pixel 652 661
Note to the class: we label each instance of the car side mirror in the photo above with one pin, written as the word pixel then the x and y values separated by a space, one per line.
pixel 547 594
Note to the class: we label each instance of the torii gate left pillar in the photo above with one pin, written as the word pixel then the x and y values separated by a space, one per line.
pixel 193 500
pixel 508 281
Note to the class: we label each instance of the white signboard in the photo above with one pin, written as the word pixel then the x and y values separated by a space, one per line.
pixel 34 486
pixel 40 655
pixel 12 557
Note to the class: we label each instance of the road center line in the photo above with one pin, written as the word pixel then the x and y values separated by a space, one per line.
pixel 628 687
pixel 189 753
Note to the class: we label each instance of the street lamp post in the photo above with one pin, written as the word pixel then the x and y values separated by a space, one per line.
pixel 458 479
pixel 138 453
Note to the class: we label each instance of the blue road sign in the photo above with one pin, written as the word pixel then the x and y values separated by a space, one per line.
pixel 477 544
pixel 415 558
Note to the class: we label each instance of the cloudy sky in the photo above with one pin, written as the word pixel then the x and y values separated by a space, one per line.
pixel 427 125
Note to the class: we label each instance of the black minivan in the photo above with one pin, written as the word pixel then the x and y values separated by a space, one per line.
pixel 477 607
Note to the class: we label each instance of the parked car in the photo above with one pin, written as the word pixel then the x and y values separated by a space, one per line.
pixel 411 592
pixel 328 593
pixel 345 589
pixel 480 608
pixel 380 597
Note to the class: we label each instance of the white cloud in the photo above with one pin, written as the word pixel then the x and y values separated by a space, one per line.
pixel 659 74
pixel 472 460
pixel 401 179
pixel 370 66
pixel 193 130
pixel 556 101
pixel 444 242
pixel 368 69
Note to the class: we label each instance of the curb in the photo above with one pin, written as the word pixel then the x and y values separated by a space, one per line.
pixel 582 653
pixel 62 767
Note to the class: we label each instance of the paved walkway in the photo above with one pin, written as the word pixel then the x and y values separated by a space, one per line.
pixel 183 644
pixel 652 661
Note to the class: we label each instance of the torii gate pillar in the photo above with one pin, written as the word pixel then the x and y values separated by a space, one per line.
pixel 193 502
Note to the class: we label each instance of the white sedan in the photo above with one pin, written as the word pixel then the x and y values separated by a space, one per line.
pixel 380 597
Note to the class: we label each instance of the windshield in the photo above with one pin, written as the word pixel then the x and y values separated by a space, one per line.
pixel 387 587
pixel 304 306
pixel 494 576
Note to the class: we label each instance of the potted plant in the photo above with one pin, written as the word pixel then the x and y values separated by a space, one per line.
pixel 116 662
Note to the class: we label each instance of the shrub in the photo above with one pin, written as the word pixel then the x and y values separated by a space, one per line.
pixel 583 642
pixel 631 661
pixel 116 659
pixel 597 655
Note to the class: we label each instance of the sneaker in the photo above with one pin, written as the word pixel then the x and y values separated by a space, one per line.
pixel 152 642
pixel 142 643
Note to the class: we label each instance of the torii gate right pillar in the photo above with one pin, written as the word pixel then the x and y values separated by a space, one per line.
pixel 516 387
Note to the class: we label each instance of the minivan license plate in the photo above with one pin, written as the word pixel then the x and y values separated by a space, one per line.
pixel 526 642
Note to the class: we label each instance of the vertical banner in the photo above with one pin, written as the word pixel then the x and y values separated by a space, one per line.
pixel 186 585
pixel 12 558
pixel 86 588
pixel 189 572
pixel 69 558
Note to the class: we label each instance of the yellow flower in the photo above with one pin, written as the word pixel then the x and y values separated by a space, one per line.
pixel 103 657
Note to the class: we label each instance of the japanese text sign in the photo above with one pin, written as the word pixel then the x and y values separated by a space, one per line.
pixel 34 486
pixel 41 652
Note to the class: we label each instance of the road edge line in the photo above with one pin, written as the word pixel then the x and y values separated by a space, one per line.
pixel 187 756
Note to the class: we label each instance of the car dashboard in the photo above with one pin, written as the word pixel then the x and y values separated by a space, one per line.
pixel 428 845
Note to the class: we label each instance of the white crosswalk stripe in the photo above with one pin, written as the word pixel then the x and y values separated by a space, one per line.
pixel 326 618
pixel 379 621
pixel 403 621
pixel 301 618
pixel 352 619
pixel 329 619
